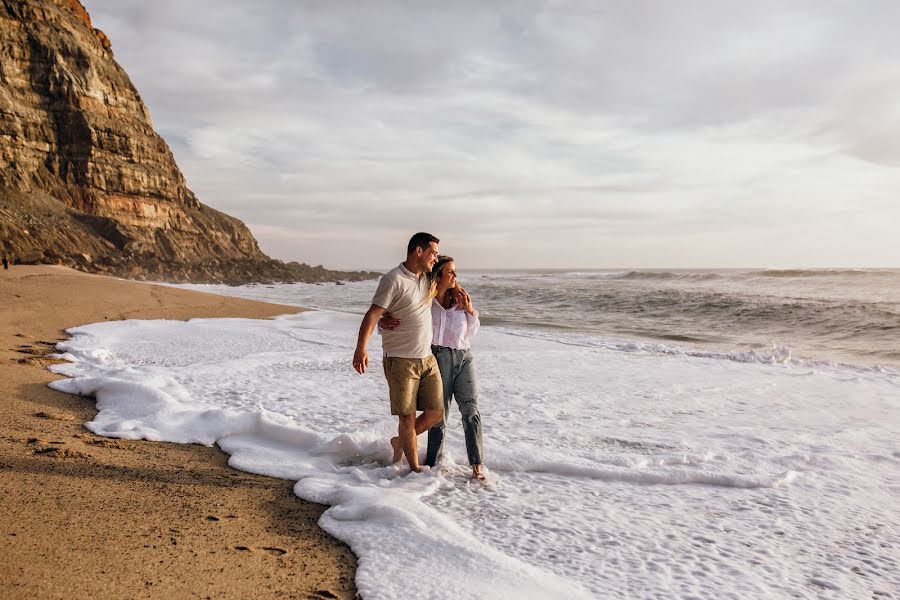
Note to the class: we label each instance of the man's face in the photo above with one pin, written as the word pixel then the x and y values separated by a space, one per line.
pixel 429 256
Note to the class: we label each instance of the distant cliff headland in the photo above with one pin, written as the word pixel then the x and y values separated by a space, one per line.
pixel 85 181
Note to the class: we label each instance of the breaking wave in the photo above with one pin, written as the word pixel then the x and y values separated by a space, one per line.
pixel 792 273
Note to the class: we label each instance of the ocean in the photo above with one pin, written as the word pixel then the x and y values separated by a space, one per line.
pixel 842 316
pixel 648 434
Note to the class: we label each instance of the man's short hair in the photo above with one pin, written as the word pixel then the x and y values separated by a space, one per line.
pixel 420 240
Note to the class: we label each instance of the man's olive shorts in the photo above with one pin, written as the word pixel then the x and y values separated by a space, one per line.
pixel 414 384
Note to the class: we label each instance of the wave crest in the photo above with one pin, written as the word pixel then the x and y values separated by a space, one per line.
pixel 796 273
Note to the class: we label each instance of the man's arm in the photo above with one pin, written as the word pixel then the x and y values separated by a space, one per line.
pixel 360 356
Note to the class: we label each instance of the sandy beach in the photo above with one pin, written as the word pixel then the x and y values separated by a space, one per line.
pixel 92 517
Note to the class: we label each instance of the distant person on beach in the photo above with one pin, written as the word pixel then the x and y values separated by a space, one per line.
pixel 414 381
pixel 5 263
pixel 454 322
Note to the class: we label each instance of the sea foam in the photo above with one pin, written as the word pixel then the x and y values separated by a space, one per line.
pixel 613 472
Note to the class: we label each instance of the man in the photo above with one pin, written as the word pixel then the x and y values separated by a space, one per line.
pixel 414 380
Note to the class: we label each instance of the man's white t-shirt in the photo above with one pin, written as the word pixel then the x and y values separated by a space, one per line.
pixel 407 297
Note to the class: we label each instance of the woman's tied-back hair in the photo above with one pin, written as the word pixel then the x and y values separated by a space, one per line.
pixel 437 271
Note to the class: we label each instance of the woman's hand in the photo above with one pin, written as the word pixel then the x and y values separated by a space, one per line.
pixel 387 321
pixel 463 300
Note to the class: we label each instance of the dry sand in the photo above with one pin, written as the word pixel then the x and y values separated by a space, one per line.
pixel 90 517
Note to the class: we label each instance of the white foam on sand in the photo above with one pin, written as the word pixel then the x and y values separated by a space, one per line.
pixel 612 474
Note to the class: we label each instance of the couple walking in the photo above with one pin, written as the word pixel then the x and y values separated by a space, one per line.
pixel 426 321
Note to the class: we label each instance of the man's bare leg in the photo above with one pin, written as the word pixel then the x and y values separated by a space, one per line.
pixel 428 419
pixel 397 448
pixel 424 422
pixel 406 431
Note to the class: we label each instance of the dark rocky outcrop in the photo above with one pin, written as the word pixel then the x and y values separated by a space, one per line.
pixel 84 178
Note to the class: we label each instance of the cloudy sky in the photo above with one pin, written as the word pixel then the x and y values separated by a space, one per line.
pixel 572 134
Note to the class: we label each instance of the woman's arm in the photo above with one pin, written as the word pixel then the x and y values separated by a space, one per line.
pixel 387 321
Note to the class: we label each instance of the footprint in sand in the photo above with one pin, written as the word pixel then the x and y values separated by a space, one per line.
pixel 54 452
pixel 27 349
pixel 52 449
pixel 267 549
pixel 33 440
pixel 54 416
pixel 41 361
pixel 39 356
pixel 104 443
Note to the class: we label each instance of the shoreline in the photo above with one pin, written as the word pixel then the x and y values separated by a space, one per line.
pixel 89 516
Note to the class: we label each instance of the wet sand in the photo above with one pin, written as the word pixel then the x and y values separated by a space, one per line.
pixel 90 517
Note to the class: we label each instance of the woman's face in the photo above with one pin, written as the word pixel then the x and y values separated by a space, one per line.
pixel 448 275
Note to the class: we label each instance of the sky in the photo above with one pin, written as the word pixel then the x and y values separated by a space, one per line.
pixel 533 134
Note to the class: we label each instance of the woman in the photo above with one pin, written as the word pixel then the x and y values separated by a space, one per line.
pixel 454 322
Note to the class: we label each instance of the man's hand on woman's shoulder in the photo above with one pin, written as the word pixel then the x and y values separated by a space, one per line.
pixel 463 300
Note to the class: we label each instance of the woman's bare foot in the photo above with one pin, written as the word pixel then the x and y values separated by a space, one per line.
pixel 398 450
pixel 478 472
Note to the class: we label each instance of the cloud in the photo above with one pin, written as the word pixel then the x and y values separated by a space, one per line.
pixel 589 130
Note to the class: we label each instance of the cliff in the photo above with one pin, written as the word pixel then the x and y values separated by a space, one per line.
pixel 84 178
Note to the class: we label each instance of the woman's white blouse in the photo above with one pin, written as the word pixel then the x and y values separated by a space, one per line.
pixel 452 327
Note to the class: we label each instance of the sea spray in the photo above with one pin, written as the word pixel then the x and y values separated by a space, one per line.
pixel 613 471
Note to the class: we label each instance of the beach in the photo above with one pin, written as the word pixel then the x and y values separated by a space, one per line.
pixel 678 376
pixel 92 517
pixel 617 466
pixel 647 434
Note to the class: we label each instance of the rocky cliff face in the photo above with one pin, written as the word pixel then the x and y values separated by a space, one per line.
pixel 84 178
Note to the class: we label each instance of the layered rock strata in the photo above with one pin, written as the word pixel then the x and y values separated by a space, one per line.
pixel 84 178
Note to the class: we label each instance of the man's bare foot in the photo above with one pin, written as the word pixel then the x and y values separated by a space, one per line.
pixel 478 472
pixel 398 450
